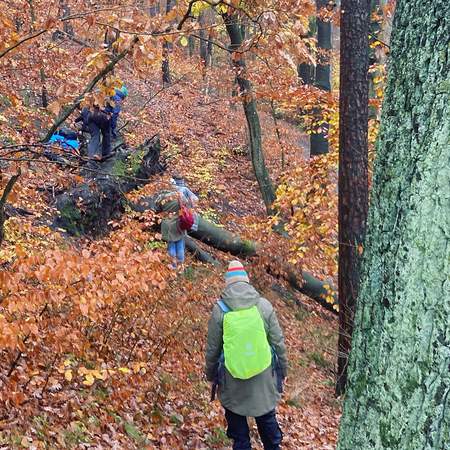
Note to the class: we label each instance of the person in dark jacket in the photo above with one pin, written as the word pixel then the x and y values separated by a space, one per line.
pixel 96 122
pixel 114 107
pixel 257 396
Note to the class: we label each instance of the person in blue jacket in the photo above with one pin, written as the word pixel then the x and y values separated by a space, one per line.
pixel 115 106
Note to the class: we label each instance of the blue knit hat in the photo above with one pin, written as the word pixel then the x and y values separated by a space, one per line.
pixel 235 273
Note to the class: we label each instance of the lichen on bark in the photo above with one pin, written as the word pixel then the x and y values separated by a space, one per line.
pixel 399 378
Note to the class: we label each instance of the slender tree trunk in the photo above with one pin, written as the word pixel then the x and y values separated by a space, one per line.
pixel 44 94
pixel 319 140
pixel 353 174
pixel 204 49
pixel 306 71
pixel 249 104
pixel 167 48
pixel 204 41
pixel 65 12
pixel 191 46
pixel 398 394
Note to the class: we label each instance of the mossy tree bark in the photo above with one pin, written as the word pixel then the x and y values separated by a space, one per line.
pixel 353 171
pixel 88 207
pixel 266 188
pixel 398 394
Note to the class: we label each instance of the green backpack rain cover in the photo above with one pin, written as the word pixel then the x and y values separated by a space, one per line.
pixel 246 349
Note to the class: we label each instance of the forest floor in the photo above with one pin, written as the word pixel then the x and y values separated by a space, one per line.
pixel 166 405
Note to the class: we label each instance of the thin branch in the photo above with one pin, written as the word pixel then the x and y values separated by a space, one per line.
pixel 216 44
pixel 21 41
pixel 72 166
pixel 93 11
pixel 144 105
pixel 375 39
pixel 74 39
pixel 187 14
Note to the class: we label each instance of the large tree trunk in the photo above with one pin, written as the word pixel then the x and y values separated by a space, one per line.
pixel 353 174
pixel 87 208
pixel 249 103
pixel 398 393
pixel 319 140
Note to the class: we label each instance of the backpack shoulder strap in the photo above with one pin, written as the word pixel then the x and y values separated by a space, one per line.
pixel 223 306
pixel 180 199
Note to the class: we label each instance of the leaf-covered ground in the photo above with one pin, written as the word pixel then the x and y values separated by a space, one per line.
pixel 109 343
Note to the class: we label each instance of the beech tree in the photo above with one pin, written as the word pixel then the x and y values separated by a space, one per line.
pixel 232 25
pixel 399 379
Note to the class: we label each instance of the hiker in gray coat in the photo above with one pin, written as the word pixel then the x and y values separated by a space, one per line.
pixel 246 394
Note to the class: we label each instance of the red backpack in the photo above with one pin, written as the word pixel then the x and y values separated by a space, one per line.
pixel 186 217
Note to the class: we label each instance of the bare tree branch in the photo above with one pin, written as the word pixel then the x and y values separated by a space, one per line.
pixel 21 41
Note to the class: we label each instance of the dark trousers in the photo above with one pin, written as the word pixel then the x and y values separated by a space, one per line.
pixel 268 429
pixel 94 142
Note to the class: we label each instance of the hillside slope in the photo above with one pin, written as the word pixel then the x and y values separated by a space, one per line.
pixel 112 355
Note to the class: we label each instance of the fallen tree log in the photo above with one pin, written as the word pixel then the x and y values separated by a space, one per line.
pixel 88 207
pixel 222 239
pixel 304 282
pixel 226 241
pixel 199 253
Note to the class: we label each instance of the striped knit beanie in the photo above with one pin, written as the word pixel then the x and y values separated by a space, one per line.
pixel 236 273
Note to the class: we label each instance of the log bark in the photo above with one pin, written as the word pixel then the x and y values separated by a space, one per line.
pixel 223 240
pixel 87 208
pixel 398 394
pixel 199 253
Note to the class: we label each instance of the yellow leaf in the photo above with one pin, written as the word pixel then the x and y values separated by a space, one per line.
pixel 183 41
pixel 99 375
pixel 68 375
pixel 124 370
pixel 67 363
pixel 89 380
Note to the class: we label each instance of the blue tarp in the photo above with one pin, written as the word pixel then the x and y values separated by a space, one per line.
pixel 71 144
